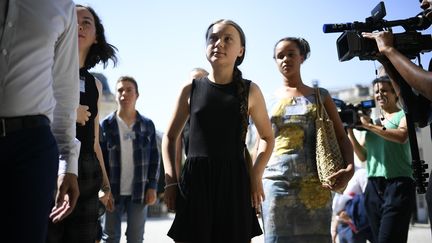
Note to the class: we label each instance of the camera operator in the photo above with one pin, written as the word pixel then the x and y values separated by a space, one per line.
pixel 415 76
pixel 390 189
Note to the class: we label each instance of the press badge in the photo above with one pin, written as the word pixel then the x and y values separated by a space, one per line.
pixel 297 109
pixel 82 85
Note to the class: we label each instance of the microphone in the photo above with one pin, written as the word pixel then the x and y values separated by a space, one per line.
pixel 419 22
pixel 358 26
pixel 332 28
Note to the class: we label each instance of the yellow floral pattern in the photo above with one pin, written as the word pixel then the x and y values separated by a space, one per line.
pixel 296 206
pixel 289 137
pixel 312 195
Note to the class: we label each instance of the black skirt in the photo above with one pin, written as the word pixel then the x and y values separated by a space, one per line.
pixel 214 203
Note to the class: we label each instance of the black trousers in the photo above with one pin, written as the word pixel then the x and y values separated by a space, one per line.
pixel 429 197
pixel 389 204
pixel 29 162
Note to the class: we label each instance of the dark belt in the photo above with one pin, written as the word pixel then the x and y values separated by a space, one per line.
pixel 13 124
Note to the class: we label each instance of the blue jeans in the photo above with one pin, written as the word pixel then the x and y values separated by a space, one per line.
pixel 136 217
pixel 29 160
pixel 346 235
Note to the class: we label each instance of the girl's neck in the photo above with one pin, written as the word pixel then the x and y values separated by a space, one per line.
pixel 82 57
pixel 221 76
pixel 294 81
pixel 293 84
pixel 287 91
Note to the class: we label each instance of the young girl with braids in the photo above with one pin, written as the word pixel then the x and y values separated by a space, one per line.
pixel 297 206
pixel 216 196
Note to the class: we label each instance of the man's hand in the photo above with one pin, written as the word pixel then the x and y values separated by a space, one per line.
pixel 66 196
pixel 83 114
pixel 150 196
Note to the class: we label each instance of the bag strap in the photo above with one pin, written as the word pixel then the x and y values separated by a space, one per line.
pixel 319 104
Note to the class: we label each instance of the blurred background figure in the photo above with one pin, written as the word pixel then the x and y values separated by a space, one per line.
pixel 351 224
pixel 183 140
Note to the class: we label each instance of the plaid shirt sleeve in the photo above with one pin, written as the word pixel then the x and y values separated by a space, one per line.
pixel 154 163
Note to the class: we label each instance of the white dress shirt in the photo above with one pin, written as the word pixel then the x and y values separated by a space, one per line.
pixel 39 69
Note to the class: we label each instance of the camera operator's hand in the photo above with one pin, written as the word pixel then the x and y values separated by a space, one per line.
pixel 365 120
pixel 358 147
pixel 384 40
pixel 415 76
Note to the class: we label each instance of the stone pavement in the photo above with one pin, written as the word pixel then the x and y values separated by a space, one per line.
pixel 157 227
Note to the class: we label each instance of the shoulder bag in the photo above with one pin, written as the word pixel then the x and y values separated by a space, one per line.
pixel 328 156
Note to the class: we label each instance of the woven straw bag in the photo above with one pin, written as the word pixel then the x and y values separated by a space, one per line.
pixel 328 156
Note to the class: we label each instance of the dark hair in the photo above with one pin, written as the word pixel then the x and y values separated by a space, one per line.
pixel 302 44
pixel 129 79
pixel 102 50
pixel 238 76
pixel 383 79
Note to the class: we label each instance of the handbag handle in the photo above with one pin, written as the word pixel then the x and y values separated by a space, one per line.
pixel 320 106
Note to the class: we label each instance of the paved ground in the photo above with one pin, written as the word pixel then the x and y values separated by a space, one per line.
pixel 156 229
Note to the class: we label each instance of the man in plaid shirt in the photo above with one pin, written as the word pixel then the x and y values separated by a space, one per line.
pixel 132 161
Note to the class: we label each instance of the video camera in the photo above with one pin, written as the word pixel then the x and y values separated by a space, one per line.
pixel 410 43
pixel 350 114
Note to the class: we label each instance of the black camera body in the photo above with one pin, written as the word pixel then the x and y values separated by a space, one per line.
pixel 351 44
pixel 410 43
pixel 350 114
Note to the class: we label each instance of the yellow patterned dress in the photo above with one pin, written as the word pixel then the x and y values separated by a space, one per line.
pixel 296 207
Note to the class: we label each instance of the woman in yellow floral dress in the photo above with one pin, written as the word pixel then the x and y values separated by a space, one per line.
pixel 297 207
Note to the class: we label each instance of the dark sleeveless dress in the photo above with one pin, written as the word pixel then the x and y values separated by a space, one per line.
pixel 81 224
pixel 214 200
